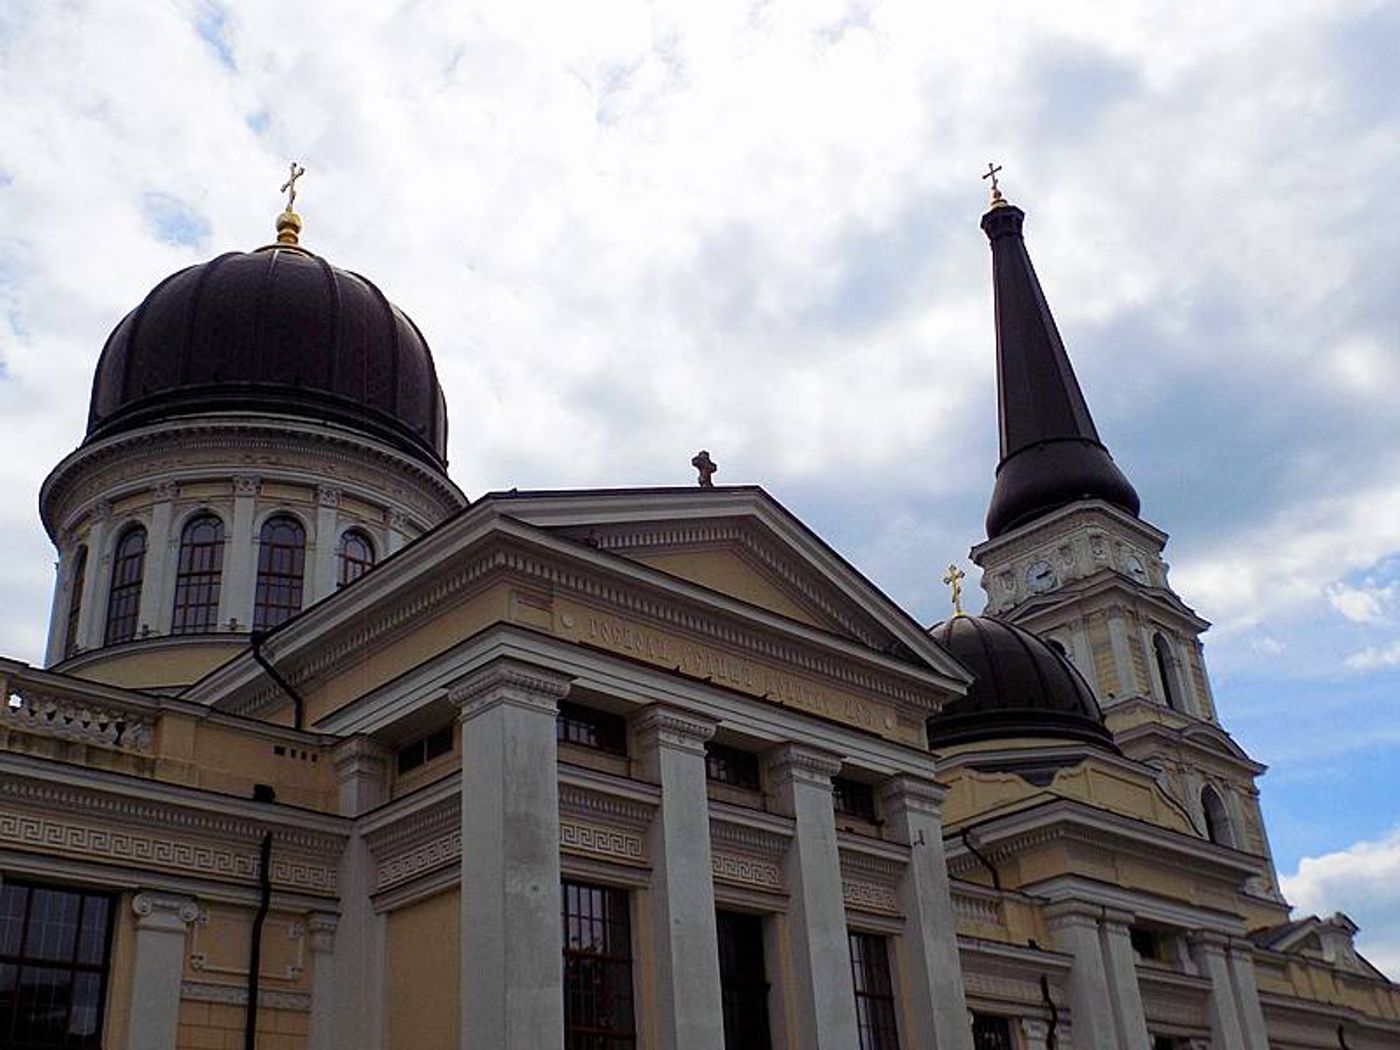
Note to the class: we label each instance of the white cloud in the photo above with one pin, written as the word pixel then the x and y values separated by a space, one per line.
pixel 1366 604
pixel 1361 880
pixel 1375 658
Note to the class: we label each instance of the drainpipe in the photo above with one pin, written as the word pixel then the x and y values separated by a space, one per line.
pixel 255 641
pixel 250 1027
pixel 966 836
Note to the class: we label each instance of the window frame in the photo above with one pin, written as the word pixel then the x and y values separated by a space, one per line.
pixel 582 726
pixel 123 618
pixel 743 996
pixel 21 960
pixel 989 1027
pixel 732 766
pixel 270 609
pixel 609 972
pixel 877 1015
pixel 853 798
pixel 344 562
pixel 200 615
pixel 419 752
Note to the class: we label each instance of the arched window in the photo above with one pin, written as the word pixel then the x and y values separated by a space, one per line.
pixel 1217 820
pixel 75 602
pixel 124 599
pixel 281 561
pixel 198 575
pixel 356 556
pixel 1166 670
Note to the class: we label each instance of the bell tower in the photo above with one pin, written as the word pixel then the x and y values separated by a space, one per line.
pixel 1068 557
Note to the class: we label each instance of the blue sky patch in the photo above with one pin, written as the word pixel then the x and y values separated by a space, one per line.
pixel 211 23
pixel 174 221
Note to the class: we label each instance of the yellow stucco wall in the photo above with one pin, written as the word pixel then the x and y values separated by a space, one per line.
pixel 728 573
pixel 421 967
pixel 220 1026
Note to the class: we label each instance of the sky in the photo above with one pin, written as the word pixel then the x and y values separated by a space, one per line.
pixel 631 230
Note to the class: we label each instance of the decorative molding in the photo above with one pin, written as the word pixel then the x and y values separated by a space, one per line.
pixel 416 860
pixel 246 484
pixel 978 910
pixel 598 840
pixel 579 802
pixel 509 682
pixel 327 496
pixel 118 726
pixel 237 995
pixel 164 909
pixel 1000 986
pixel 670 727
pixel 801 764
pixel 746 870
pixel 863 895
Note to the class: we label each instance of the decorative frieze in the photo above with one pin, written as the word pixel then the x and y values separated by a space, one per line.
pixel 743 869
pixel 237 995
pixel 597 840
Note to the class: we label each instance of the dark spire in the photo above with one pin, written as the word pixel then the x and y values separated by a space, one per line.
pixel 1051 455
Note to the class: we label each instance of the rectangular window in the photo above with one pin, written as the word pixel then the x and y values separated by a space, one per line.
pixel 587 727
pixel 990 1032
pixel 729 765
pixel 743 983
pixel 425 749
pixel 852 798
pixel 597 968
pixel 870 971
pixel 53 966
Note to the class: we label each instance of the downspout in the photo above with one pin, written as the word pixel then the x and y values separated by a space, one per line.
pixel 1342 1037
pixel 250 1027
pixel 967 841
pixel 1052 1038
pixel 255 641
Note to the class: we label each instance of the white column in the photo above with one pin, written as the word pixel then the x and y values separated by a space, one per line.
pixel 930 966
pixel 1035 1034
pixel 1251 1011
pixel 358 960
pixel 1121 963
pixel 158 963
pixel 58 608
pixel 240 556
pixel 320 932
pixel 685 946
pixel 1128 684
pixel 362 774
pixel 511 937
pixel 323 563
pixel 92 617
pixel 1075 927
pixel 1208 949
pixel 800 778
pixel 162 551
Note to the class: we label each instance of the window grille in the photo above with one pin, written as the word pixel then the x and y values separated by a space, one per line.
pixel 281 565
pixel 743 982
pixel 53 966
pixel 731 766
pixel 356 557
pixel 198 576
pixel 124 598
pixel 870 971
pixel 597 969
pixel 587 727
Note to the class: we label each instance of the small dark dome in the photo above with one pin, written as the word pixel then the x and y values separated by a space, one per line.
pixel 1022 687
pixel 275 330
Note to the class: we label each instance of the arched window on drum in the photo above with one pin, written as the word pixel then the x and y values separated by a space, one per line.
pixel 124 596
pixel 356 556
pixel 281 568
pixel 199 575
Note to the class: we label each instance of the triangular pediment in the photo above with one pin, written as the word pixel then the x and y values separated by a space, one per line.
pixel 738 542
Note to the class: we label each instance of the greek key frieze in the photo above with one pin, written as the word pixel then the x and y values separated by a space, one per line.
pixel 746 870
pixel 598 841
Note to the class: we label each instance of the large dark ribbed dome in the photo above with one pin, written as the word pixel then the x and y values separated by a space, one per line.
pixel 275 330
pixel 1022 687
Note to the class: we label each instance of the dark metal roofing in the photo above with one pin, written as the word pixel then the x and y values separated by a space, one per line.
pixel 276 330
pixel 1022 687
pixel 1051 454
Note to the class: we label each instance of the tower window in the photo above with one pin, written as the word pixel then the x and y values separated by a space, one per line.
pixel 281 564
pixel 870 971
pixel 53 965
pixel 124 599
pixel 597 969
pixel 1166 669
pixel 743 982
pixel 75 602
pixel 198 575
pixel 356 556
pixel 1217 819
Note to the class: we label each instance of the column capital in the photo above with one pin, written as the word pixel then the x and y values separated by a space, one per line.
pixel 799 763
pixel 1064 914
pixel 1116 918
pixel 246 484
pixel 670 727
pixel 164 911
pixel 357 755
pixel 508 682
pixel 1240 947
pixel 1209 940
pixel 914 793
pixel 320 930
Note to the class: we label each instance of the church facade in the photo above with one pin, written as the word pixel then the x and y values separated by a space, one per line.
pixel 326 755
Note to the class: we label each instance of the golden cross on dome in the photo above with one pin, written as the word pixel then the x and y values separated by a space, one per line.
pixel 992 170
pixel 290 186
pixel 954 579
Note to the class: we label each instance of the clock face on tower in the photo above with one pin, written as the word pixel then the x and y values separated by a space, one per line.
pixel 1040 577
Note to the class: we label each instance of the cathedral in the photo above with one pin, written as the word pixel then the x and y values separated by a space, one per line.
pixel 326 755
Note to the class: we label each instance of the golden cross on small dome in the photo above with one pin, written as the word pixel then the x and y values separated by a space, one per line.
pixel 992 169
pixel 290 186
pixel 954 579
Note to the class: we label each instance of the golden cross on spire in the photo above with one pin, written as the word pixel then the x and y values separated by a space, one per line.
pixel 290 186
pixel 992 170
pixel 954 579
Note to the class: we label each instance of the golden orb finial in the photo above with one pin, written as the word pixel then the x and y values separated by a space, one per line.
pixel 289 222
pixel 998 201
